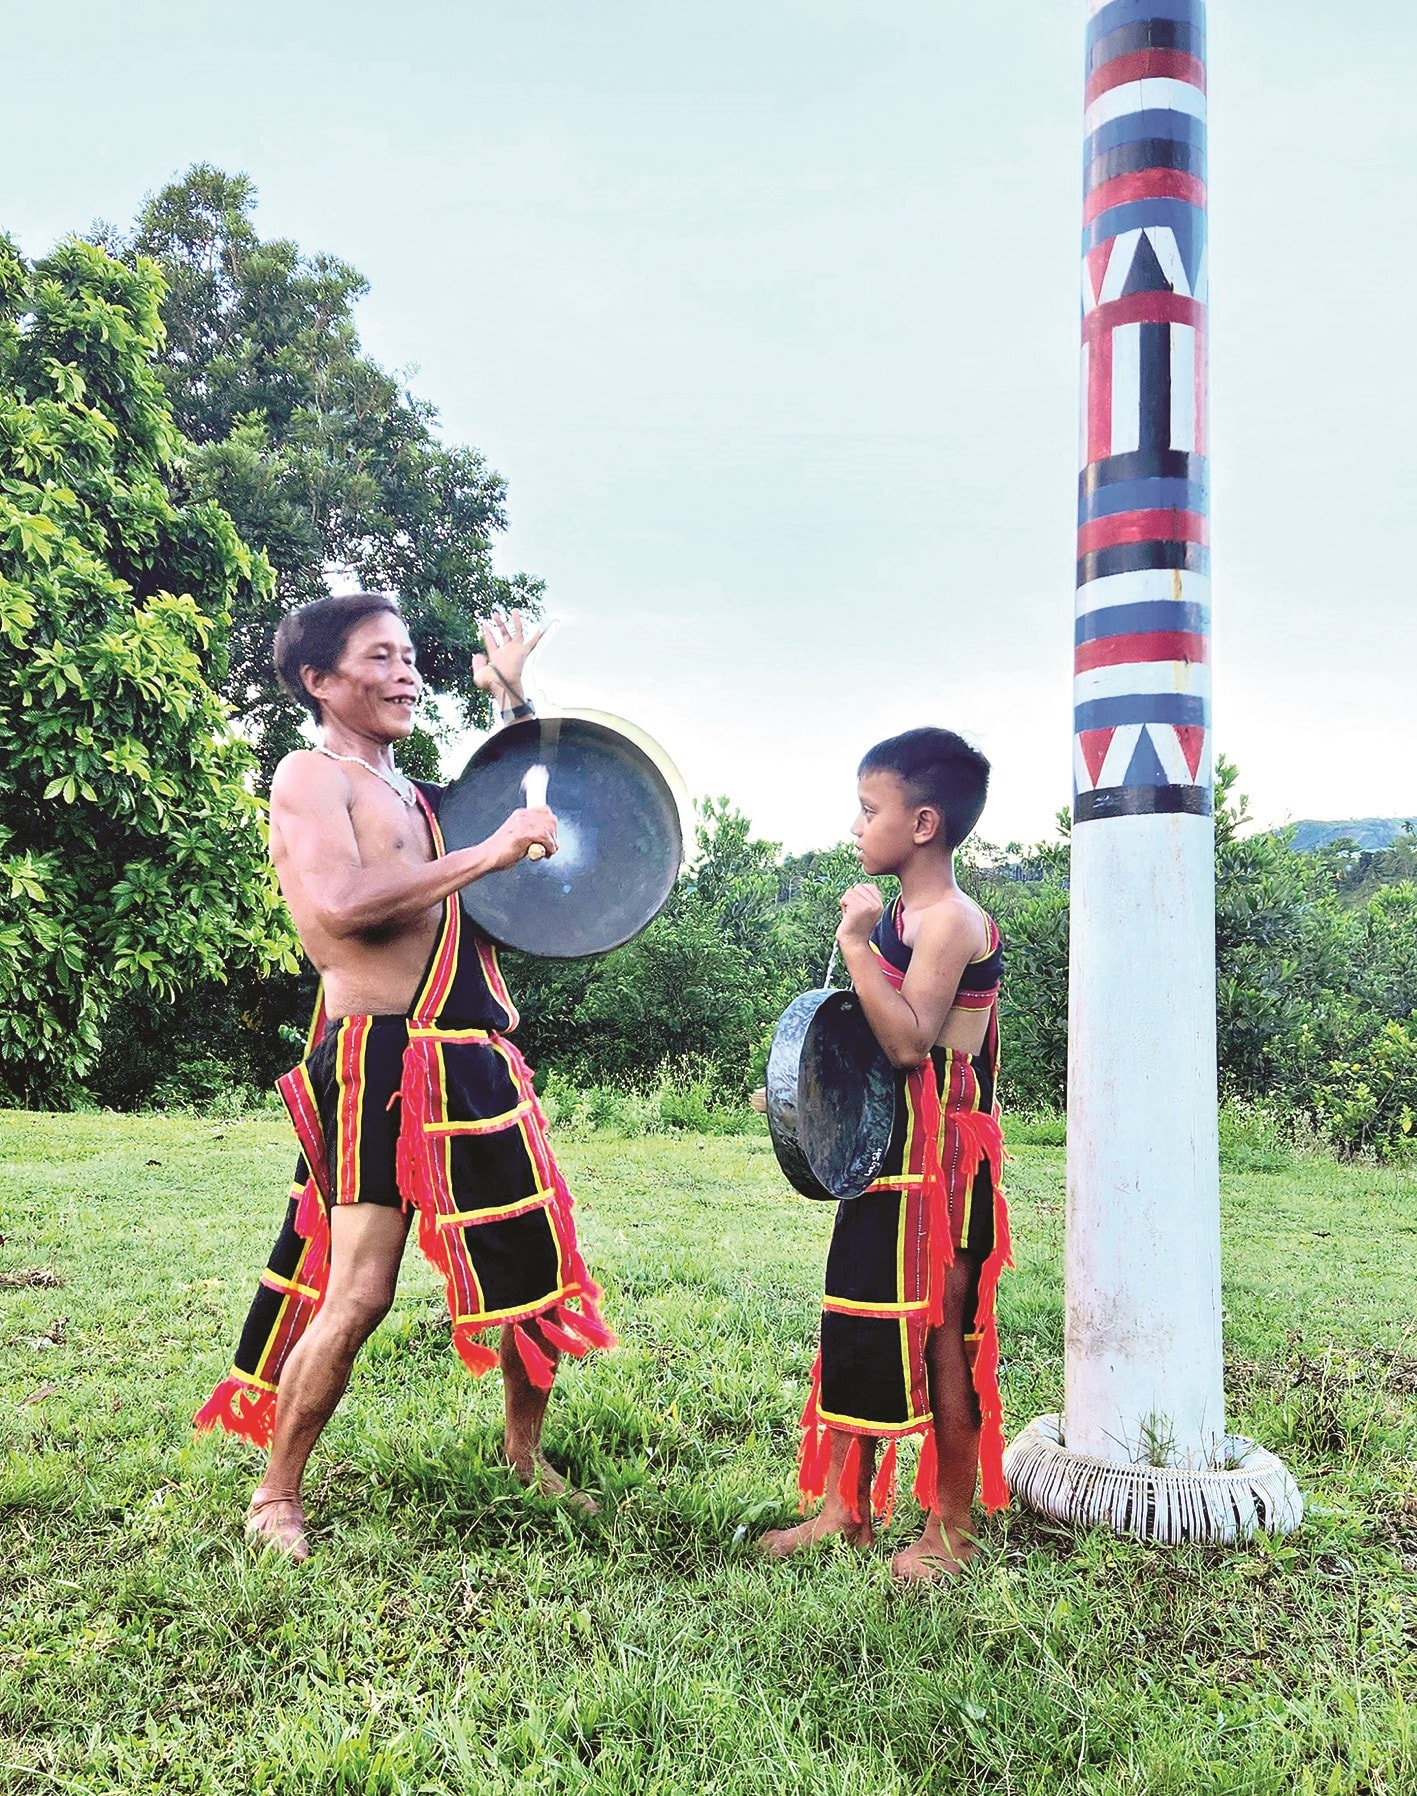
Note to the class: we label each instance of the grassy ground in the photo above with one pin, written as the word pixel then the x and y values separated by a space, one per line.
pixel 453 1634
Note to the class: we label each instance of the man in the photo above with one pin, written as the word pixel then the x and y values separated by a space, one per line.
pixel 410 1096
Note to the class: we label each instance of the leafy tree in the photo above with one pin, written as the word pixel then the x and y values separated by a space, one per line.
pixel 131 845
pixel 315 451
pixel 1283 954
pixel 1359 872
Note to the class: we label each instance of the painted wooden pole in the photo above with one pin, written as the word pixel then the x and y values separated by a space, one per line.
pixel 1142 1442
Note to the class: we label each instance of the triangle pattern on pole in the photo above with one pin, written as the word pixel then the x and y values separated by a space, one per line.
pixel 1116 257
pixel 1094 267
pixel 1094 745
pixel 1146 275
pixel 1144 768
pixel 1192 739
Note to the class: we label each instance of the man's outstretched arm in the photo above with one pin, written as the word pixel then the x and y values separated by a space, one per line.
pixel 323 877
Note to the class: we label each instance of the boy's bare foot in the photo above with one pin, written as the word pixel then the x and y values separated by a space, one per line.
pixel 533 1469
pixel 939 1553
pixel 277 1520
pixel 831 1518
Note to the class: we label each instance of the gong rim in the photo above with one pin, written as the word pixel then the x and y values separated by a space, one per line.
pixel 828 1083
pixel 784 1065
pixel 620 830
pixel 847 1098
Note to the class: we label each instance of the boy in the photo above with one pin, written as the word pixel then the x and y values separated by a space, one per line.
pixel 908 1343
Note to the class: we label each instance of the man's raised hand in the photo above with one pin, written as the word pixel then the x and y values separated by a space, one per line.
pixel 500 670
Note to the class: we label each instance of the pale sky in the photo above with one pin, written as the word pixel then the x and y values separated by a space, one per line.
pixel 768 314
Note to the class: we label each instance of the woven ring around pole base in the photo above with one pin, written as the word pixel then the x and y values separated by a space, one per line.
pixel 1252 1493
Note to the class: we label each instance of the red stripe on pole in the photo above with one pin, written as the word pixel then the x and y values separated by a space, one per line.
pixel 1146 65
pixel 1151 645
pixel 1141 308
pixel 1145 184
pixel 1143 527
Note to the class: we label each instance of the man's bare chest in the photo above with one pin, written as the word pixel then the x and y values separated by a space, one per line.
pixel 389 833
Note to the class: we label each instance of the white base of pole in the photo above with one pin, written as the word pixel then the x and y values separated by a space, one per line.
pixel 1250 1493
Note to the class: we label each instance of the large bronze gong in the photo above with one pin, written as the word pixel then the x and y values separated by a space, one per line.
pixel 831 1096
pixel 618 829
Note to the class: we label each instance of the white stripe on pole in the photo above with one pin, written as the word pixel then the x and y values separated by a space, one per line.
pixel 1187 678
pixel 1126 389
pixel 1144 96
pixel 1144 587
pixel 1183 387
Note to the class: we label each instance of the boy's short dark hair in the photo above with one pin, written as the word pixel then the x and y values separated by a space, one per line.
pixel 314 635
pixel 937 768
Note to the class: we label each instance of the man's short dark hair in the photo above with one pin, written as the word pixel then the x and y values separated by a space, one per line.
pixel 937 768
pixel 314 635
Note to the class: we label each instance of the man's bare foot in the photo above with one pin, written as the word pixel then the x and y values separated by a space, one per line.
pixel 830 1519
pixel 276 1520
pixel 939 1553
pixel 536 1472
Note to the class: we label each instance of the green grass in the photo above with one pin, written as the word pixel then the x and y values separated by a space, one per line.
pixel 453 1634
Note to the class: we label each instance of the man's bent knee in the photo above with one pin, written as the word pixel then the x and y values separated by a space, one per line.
pixel 352 1315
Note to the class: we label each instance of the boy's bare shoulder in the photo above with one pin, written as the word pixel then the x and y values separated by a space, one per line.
pixel 950 921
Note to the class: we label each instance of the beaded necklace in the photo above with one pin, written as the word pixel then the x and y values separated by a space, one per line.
pixel 396 783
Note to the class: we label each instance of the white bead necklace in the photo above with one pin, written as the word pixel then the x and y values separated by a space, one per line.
pixel 397 784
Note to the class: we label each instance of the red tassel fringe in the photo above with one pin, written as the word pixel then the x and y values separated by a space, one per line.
pixel 474 1354
pixel 587 1322
pixel 883 1488
pixel 241 1410
pixel 311 1220
pixel 927 1475
pixel 814 1455
pixel 560 1338
pixel 993 1485
pixel 539 1369
pixel 939 1236
pixel 849 1483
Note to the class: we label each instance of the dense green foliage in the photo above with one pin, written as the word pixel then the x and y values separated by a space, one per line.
pixel 324 462
pixel 743 933
pixel 317 453
pixel 131 846
pixel 1317 987
pixel 1316 990
pixel 456 1637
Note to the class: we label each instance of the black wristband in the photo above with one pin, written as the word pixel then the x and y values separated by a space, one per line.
pixel 517 712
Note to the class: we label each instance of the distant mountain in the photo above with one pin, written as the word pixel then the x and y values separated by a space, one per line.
pixel 1370 833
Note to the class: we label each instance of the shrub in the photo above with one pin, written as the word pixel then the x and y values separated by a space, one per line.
pixel 1369 1103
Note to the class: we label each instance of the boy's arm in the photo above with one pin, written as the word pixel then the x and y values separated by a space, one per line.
pixel 907 1023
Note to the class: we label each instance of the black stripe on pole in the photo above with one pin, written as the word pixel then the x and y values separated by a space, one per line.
pixel 1143 464
pixel 1133 558
pixel 1141 801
